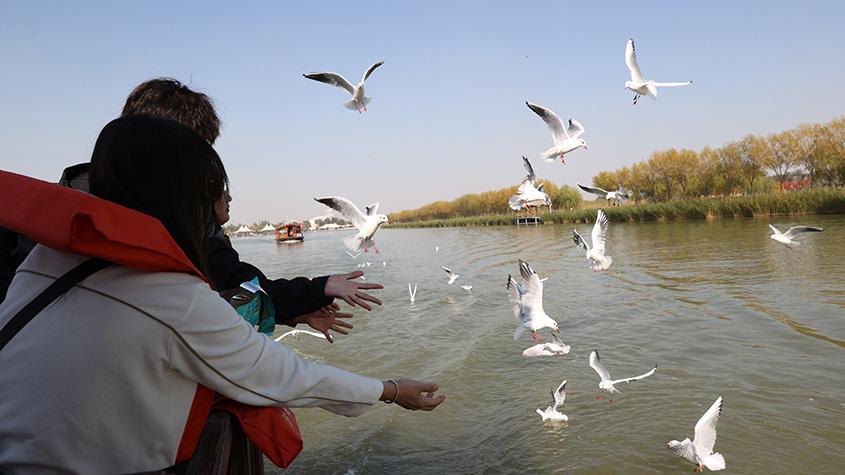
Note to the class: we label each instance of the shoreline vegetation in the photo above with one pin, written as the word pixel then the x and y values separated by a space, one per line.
pixel 798 202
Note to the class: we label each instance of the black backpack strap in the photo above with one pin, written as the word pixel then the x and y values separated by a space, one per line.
pixel 48 295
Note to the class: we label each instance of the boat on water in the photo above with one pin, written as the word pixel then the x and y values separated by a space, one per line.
pixel 289 233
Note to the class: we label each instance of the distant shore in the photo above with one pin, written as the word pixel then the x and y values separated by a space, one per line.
pixel 810 201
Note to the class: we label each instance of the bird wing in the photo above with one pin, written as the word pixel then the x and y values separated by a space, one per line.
pixel 372 209
pixel 774 229
pixel 559 133
pixel 672 84
pixel 594 190
pixel 705 428
pixel 370 70
pixel 532 299
pixel 559 395
pixel 644 375
pixel 332 78
pixel 794 230
pixel 528 168
pixel 598 367
pixel 579 241
pixel 540 188
pixel 448 272
pixel 599 234
pixel 345 208
pixel 575 128
pixel 631 62
pixel 515 292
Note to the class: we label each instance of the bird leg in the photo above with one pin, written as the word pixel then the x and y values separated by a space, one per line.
pixel 536 337
pixel 610 401
pixel 365 107
pixel 376 248
pixel 636 96
pixel 599 398
pixel 699 468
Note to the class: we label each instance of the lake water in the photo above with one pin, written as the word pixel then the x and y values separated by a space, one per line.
pixel 720 307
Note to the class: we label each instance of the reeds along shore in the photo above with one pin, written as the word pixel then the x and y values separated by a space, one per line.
pixel 811 201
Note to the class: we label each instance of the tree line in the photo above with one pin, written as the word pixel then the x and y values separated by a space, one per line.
pixel 811 155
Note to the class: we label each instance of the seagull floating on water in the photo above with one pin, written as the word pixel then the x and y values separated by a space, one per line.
pixel 566 139
pixel 700 450
pixel 367 224
pixel 606 383
pixel 787 237
pixel 412 293
pixel 297 333
pixel 466 287
pixel 359 100
pixel 640 86
pixel 452 275
pixel 611 196
pixel 527 299
pixel 599 236
pixel 558 397
pixel 556 348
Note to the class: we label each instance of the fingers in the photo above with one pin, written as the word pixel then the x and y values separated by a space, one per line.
pixel 332 307
pixel 361 303
pixel 339 330
pixel 353 275
pixel 328 335
pixel 428 401
pixel 368 297
pixel 370 286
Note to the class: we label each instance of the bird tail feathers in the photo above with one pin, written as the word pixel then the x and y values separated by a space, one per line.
pixel 353 243
pixel 549 155
pixel 520 330
pixel 714 462
pixel 606 262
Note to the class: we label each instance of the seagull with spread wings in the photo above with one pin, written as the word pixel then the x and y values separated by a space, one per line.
pixel 612 197
pixel 555 348
pixel 366 223
pixel 566 138
pixel 526 296
pixel 297 333
pixel 599 236
pixel 558 398
pixel 359 100
pixel 787 238
pixel 640 86
pixel 700 450
pixel 606 383
pixel 452 276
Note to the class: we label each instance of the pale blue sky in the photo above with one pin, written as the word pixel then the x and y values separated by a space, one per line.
pixel 448 116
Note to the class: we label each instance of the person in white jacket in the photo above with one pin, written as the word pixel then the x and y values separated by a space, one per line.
pixel 102 380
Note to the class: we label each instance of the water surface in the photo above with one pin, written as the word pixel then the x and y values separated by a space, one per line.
pixel 720 307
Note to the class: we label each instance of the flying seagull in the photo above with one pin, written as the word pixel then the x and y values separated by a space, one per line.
pixel 531 176
pixel 599 236
pixel 700 450
pixel 555 348
pixel 566 138
pixel 359 100
pixel 527 299
pixel 367 224
pixel 640 86
pixel 606 383
pixel 558 397
pixel 452 275
pixel 611 196
pixel 297 333
pixel 412 293
pixel 787 237
pixel 529 196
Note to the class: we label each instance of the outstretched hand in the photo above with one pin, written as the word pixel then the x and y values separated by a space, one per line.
pixel 327 319
pixel 413 395
pixel 344 286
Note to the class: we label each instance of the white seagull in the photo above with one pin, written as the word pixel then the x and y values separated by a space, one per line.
pixel 452 275
pixel 412 293
pixel 700 450
pixel 566 139
pixel 640 86
pixel 599 236
pixel 467 287
pixel 787 237
pixel 367 224
pixel 527 299
pixel 558 397
pixel 612 197
pixel 606 383
pixel 296 333
pixel 556 348
pixel 529 196
pixel 359 100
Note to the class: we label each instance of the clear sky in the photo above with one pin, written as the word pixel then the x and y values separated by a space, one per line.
pixel 448 115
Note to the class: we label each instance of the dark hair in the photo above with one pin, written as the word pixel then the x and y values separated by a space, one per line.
pixel 163 169
pixel 169 98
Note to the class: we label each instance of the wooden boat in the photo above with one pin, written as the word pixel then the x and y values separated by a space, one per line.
pixel 289 233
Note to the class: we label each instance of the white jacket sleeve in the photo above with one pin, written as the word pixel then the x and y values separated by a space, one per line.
pixel 214 346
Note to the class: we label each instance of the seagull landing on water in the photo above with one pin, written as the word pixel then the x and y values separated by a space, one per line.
pixel 452 275
pixel 640 86
pixel 558 397
pixel 700 450
pixel 359 100
pixel 555 348
pixel 612 197
pixel 297 333
pixel 367 224
pixel 527 299
pixel 599 236
pixel 787 237
pixel 412 293
pixel 566 139
pixel 606 383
